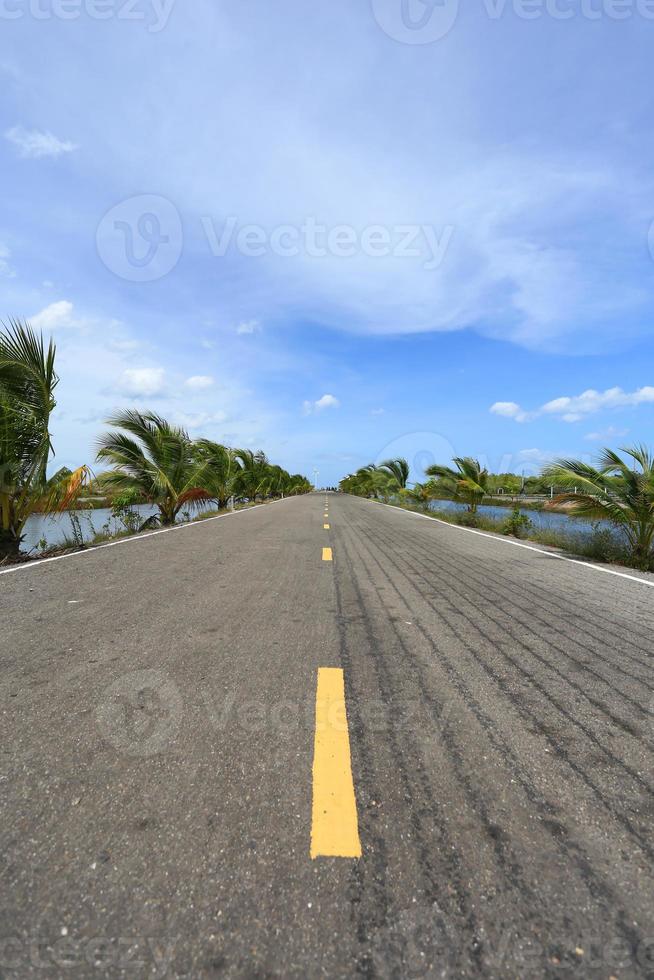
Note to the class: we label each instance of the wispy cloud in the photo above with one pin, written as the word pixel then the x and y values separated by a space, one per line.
pixel 35 143
pixel 248 327
pixel 326 401
pixel 199 420
pixel 606 435
pixel 199 381
pixel 5 267
pixel 576 407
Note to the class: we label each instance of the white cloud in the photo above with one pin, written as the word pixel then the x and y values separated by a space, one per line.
pixel 377 411
pixel 55 315
pixel 5 268
pixel 576 407
pixel 199 381
pixel 248 327
pixel 142 382
pixel 125 344
pixel 326 401
pixel 35 143
pixel 509 410
pixel 605 435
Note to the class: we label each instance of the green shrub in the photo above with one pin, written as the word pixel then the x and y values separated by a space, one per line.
pixel 517 525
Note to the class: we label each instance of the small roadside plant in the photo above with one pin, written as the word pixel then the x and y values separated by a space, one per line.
pixel 467 518
pixel 517 525
pixel 77 538
pixel 123 512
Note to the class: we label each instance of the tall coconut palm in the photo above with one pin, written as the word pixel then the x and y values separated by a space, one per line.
pixel 222 469
pixel 468 482
pixel 252 480
pixel 398 469
pixel 156 459
pixel 370 481
pixel 616 491
pixel 27 383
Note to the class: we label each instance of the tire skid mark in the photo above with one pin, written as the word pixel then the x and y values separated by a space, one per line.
pixel 507 628
pixel 568 848
pixel 528 715
pixel 580 611
pixel 412 765
pixel 487 585
pixel 618 721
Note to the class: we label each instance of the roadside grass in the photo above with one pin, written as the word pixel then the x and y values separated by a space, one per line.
pixel 601 545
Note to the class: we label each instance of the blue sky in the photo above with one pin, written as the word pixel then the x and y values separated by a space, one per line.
pixel 337 231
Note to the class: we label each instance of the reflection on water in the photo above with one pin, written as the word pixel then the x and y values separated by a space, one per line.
pixel 55 528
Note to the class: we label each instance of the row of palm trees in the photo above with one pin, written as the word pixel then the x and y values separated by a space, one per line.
pixel 149 458
pixel 619 489
pixel 162 465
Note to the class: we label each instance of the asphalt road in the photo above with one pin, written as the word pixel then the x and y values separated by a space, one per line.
pixel 157 744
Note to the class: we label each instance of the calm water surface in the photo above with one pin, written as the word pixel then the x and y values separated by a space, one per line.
pixel 543 520
pixel 55 528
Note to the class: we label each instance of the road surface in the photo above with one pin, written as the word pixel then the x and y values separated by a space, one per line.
pixel 174 751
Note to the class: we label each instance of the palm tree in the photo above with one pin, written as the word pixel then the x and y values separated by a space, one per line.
pixel 156 459
pixel 222 469
pixel 298 484
pixel 370 481
pixel 614 491
pixel 468 482
pixel 27 383
pixel 419 494
pixel 398 469
pixel 252 480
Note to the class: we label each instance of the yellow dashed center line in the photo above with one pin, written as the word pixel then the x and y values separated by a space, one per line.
pixel 326 527
pixel 334 821
pixel 326 554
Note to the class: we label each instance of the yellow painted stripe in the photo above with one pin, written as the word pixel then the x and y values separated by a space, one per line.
pixel 326 527
pixel 334 822
pixel 326 554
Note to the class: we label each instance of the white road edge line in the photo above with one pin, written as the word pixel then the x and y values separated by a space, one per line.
pixel 136 537
pixel 519 544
